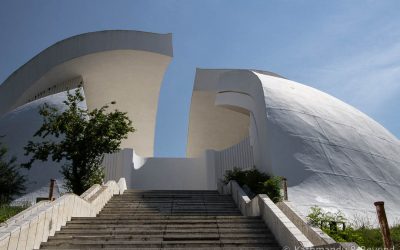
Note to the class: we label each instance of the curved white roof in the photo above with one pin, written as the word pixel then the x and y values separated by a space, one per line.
pixel 115 65
pixel 74 47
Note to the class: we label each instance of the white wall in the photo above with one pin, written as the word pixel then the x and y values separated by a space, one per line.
pixel 161 173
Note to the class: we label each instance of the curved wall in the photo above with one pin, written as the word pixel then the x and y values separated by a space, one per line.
pixel 122 66
pixel 213 127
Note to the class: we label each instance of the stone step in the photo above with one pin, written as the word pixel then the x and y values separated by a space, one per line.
pixel 168 201
pixel 178 248
pixel 130 191
pixel 137 231
pixel 169 213
pixel 173 211
pixel 188 196
pixel 162 226
pixel 158 204
pixel 163 222
pixel 154 237
pixel 96 244
pixel 176 207
pixel 166 218
pixel 176 217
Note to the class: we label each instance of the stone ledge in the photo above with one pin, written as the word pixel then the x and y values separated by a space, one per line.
pixel 28 229
pixel 286 233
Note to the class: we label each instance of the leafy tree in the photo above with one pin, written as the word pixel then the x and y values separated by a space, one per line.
pixel 11 181
pixel 83 139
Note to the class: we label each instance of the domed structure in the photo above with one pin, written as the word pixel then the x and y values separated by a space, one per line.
pixel 333 155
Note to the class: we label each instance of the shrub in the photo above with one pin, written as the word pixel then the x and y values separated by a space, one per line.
pixel 272 188
pixel 11 181
pixel 258 182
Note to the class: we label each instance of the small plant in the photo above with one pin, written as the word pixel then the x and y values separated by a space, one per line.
pixel 258 182
pixel 317 217
pixel 272 188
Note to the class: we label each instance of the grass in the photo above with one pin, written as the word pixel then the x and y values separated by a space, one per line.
pixel 7 211
pixel 365 236
pixel 372 238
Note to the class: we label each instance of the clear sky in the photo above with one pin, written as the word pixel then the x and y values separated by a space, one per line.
pixel 349 49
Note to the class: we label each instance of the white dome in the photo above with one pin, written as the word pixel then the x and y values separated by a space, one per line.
pixel 333 155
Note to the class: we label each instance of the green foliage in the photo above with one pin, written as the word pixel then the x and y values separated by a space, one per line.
pixel 363 236
pixel 84 137
pixel 7 211
pixel 325 220
pixel 259 183
pixel 11 181
pixel 272 188
pixel 318 217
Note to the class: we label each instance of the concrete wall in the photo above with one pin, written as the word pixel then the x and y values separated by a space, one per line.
pixel 171 174
pixel 162 173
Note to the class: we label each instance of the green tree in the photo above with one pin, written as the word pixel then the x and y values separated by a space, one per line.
pixel 11 181
pixel 83 139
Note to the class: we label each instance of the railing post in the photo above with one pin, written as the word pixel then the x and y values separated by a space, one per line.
pixel 284 185
pixel 380 210
pixel 52 182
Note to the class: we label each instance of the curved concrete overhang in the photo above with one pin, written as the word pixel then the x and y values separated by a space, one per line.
pixel 214 125
pixel 236 105
pixel 114 65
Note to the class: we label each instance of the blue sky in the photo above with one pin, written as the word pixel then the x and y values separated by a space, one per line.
pixel 349 49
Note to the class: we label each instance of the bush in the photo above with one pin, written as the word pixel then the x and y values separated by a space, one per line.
pixel 328 221
pixel 259 183
pixel 11 181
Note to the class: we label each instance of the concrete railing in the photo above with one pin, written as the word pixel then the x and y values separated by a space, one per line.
pixel 314 234
pixel 285 232
pixel 31 227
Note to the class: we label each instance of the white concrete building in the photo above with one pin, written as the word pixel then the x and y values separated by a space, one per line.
pixel 332 154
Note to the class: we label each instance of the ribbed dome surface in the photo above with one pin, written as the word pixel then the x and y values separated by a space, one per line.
pixel 332 154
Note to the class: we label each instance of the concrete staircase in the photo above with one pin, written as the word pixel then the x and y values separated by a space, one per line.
pixel 165 219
